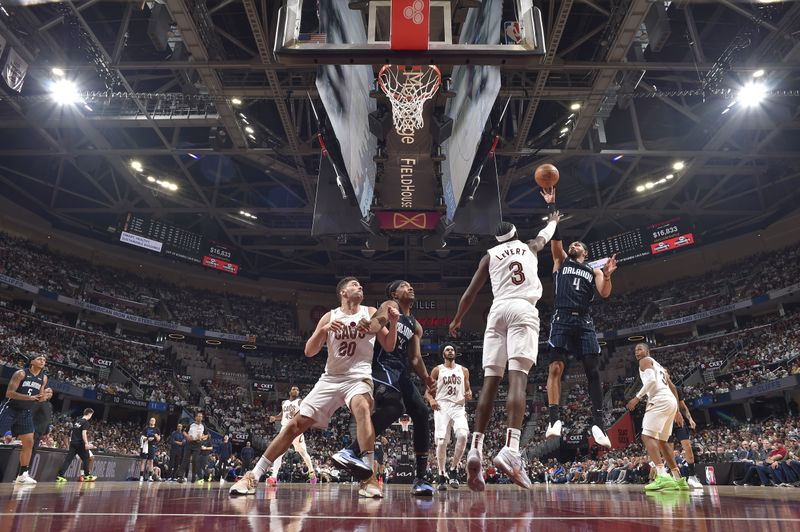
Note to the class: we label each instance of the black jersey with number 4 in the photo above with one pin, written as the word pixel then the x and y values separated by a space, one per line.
pixel 575 287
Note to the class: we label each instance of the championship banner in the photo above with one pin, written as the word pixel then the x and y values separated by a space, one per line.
pixel 408 220
pixel 15 70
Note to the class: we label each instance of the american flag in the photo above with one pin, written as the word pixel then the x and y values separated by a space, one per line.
pixel 319 38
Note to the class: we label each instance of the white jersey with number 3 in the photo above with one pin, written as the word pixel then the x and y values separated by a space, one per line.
pixel 289 409
pixel 349 351
pixel 662 389
pixel 450 384
pixel 514 271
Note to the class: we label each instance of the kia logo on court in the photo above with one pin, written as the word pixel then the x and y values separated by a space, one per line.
pixel 414 12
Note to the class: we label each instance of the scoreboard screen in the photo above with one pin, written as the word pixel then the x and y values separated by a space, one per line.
pixel 644 241
pixel 163 237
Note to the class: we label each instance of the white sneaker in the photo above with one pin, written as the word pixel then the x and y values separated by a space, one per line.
pixel 370 489
pixel 553 430
pixel 475 471
pixel 245 485
pixel 25 478
pixel 510 462
pixel 694 483
pixel 600 437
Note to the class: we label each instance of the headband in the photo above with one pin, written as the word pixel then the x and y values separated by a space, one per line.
pixel 507 236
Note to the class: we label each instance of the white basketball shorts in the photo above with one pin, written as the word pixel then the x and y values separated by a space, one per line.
pixel 332 392
pixel 659 416
pixel 449 416
pixel 512 337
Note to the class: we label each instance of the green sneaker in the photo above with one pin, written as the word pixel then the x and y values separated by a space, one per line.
pixel 682 484
pixel 200 482
pixel 61 479
pixel 662 483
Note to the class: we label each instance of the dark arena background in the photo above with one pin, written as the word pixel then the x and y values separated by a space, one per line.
pixel 183 183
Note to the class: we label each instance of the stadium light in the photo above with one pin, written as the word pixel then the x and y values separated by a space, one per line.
pixel 758 73
pixel 640 188
pixel 669 176
pixel 565 130
pixel 58 72
pixel 575 106
pixel 65 92
pixel 249 129
pixel 679 165
pixel 617 158
pixel 136 165
pixel 649 185
pixel 752 94
pixel 236 101
pixel 151 179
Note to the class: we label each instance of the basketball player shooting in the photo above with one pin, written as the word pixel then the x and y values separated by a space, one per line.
pixel 572 329
pixel 512 337
pixel 346 382
pixel 452 391
pixel 289 409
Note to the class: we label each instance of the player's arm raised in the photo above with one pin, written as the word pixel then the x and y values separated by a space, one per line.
pixel 478 280
pixel 602 277
pixel 467 387
pixel 388 338
pixel 428 396
pixel 415 360
pixel 556 247
pixel 320 336
pixel 538 243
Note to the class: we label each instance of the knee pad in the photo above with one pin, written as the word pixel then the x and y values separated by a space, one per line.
pixel 494 371
pixel 520 364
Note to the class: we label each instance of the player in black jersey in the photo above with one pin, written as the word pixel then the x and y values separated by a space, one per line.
pixel 26 387
pixel 148 442
pixel 78 445
pixel 572 329
pixel 395 392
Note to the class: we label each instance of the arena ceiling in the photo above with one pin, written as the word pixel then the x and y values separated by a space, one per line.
pixel 161 107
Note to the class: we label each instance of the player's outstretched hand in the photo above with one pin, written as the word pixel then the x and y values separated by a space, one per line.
pixel 549 194
pixel 455 327
pixel 555 216
pixel 611 265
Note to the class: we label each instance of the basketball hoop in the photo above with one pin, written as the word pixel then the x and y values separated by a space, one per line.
pixel 408 88
pixel 405 421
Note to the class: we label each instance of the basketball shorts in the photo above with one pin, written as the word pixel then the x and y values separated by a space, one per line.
pixel 149 454
pixel 659 416
pixel 449 416
pixel 379 456
pixel 19 422
pixel 331 393
pixel 680 433
pixel 573 333
pixel 512 337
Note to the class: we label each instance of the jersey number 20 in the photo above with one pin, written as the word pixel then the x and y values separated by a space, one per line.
pixel 517 275
pixel 347 349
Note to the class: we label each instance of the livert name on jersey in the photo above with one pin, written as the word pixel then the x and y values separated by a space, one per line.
pixel 513 252
pixel 569 270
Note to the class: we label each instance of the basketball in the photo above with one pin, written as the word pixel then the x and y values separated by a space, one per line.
pixel 546 176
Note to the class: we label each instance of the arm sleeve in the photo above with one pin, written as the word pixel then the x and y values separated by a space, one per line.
pixel 648 382
pixel 547 232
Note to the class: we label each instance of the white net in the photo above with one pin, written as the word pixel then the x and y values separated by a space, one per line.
pixel 408 88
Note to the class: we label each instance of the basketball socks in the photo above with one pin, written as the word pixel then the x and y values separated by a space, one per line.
pixel 676 473
pixel 477 441
pixel 441 457
pixel 512 439
pixel 554 411
pixel 422 465
pixel 368 457
pixel 597 419
pixel 261 468
pixel 23 469
pixel 691 469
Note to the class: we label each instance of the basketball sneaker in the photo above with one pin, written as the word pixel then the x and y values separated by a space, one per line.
pixel 682 485
pixel 87 478
pixel 600 437
pixel 369 489
pixel 442 483
pixel 454 479
pixel 350 462
pixel 510 462
pixel 245 485
pixel 421 488
pixel 61 479
pixel 26 479
pixel 553 430
pixel 475 471
pixel 694 483
pixel 662 483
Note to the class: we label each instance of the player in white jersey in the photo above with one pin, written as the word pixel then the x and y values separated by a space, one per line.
pixel 512 337
pixel 452 391
pixel 347 381
pixel 661 413
pixel 289 408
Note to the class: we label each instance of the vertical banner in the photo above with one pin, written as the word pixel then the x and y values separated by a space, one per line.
pixel 15 70
pixel 410 24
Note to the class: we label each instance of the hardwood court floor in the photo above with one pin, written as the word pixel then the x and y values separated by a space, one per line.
pixel 128 506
